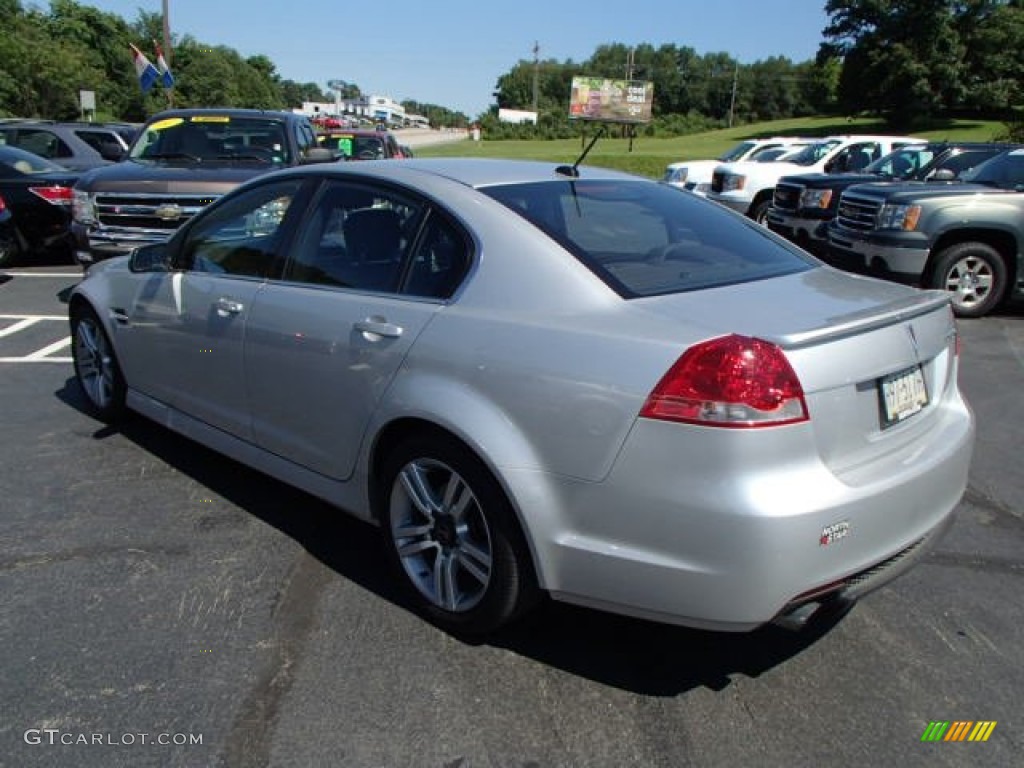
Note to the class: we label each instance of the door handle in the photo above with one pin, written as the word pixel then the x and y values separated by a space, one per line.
pixel 379 327
pixel 226 306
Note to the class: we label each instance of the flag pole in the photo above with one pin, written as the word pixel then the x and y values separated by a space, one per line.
pixel 168 53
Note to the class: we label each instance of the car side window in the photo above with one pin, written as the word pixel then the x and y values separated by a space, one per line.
pixel 440 261
pixel 42 143
pixel 243 237
pixel 966 160
pixel 355 237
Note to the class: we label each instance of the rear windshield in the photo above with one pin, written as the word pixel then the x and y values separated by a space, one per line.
pixel 646 239
pixel 354 147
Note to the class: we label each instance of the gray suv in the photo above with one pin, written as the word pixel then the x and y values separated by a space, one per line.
pixel 76 146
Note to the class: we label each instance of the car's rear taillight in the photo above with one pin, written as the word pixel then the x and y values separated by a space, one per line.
pixel 3 204
pixel 55 195
pixel 732 381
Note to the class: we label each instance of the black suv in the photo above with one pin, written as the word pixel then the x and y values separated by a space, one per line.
pixel 76 146
pixel 802 206
pixel 180 161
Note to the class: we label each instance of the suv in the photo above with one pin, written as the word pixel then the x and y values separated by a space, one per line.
pixel 182 160
pixel 76 146
pixel 967 237
pixel 803 205
pixel 695 175
pixel 748 187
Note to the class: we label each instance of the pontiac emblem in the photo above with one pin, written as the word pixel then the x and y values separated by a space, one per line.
pixel 168 212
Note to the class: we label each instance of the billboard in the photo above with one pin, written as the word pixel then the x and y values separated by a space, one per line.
pixel 611 101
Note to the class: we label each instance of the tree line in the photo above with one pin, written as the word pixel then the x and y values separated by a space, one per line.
pixel 907 61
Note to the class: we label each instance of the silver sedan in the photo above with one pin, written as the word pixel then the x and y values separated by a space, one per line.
pixel 548 380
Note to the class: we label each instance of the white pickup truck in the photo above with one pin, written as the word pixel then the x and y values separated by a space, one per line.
pixel 695 175
pixel 747 187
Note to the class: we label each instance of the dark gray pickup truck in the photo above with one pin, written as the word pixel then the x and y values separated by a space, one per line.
pixel 181 161
pixel 802 206
pixel 965 237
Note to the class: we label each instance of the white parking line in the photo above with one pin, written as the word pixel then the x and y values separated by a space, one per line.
pixel 34 317
pixel 18 326
pixel 44 355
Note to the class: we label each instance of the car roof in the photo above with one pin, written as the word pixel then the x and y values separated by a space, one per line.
pixel 471 171
pixel 226 112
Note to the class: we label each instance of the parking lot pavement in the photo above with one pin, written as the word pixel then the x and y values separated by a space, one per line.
pixel 154 591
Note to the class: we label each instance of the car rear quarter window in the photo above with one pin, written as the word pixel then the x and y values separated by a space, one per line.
pixel 646 239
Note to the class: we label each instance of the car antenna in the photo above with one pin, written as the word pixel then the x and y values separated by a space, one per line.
pixel 573 170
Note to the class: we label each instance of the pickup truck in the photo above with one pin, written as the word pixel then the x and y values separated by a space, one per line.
pixel 803 205
pixel 695 175
pixel 966 237
pixel 182 160
pixel 748 187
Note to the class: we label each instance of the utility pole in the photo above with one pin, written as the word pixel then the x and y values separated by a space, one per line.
pixel 732 102
pixel 630 63
pixel 536 74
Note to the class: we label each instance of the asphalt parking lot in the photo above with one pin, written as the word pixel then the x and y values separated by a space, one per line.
pixel 164 606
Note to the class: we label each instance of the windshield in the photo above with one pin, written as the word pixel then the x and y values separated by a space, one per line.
pixel 812 153
pixel 904 162
pixel 213 139
pixel 648 239
pixel 1005 171
pixel 738 152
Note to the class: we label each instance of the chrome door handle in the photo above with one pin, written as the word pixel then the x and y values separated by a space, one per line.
pixel 227 307
pixel 378 326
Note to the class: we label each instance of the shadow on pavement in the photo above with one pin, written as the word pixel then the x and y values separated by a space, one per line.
pixel 634 655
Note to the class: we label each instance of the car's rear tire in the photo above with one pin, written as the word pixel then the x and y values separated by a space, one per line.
pixel 452 535
pixel 96 368
pixel 10 249
pixel 975 274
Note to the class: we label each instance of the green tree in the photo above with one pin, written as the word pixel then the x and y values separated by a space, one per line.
pixel 901 58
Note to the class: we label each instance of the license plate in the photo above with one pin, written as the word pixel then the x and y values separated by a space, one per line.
pixel 901 395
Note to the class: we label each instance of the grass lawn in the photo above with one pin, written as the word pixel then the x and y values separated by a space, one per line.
pixel 649 156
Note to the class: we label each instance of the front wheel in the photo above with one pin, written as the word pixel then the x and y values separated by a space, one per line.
pixel 454 537
pixel 975 275
pixel 96 367
pixel 759 212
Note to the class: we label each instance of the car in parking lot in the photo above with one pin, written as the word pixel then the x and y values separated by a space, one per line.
pixel 695 175
pixel 548 379
pixel 361 144
pixel 35 205
pixel 76 146
pixel 804 204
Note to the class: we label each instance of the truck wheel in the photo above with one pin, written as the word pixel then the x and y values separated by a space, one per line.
pixel 759 211
pixel 975 275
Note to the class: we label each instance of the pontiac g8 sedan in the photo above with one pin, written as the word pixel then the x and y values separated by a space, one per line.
pixel 540 379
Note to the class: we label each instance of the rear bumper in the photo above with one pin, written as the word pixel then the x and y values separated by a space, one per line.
pixel 691 540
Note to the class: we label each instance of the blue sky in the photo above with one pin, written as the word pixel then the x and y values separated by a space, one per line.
pixel 451 52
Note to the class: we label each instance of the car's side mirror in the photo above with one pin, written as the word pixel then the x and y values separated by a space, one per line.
pixel 318 155
pixel 150 258
pixel 943 174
